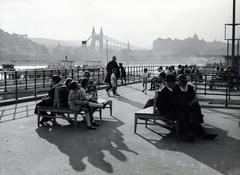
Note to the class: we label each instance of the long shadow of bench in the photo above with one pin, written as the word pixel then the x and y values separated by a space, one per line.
pixel 80 143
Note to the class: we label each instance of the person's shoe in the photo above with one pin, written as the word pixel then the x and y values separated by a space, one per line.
pixel 91 128
pixel 117 94
pixel 209 136
pixel 95 124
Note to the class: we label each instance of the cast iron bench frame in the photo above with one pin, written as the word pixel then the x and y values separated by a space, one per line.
pixel 151 113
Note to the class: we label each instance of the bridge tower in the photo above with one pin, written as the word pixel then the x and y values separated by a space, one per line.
pixel 97 38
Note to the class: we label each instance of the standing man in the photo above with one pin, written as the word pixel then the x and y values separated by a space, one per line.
pixel 110 66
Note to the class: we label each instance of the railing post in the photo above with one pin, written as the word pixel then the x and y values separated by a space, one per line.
pixel 131 73
pixel 196 80
pixel 35 83
pixel 205 85
pixel 16 85
pixel 5 82
pixel 103 74
pixel 93 75
pixel 134 73
pixel 51 73
pixel 98 75
pixel 139 73
pixel 128 73
pixel 72 74
pixel 226 95
pixel 43 78
pixel 78 74
pixel 26 79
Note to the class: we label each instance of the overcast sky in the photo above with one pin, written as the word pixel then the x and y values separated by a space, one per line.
pixel 136 21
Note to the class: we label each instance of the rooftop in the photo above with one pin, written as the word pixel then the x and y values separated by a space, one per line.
pixel 114 148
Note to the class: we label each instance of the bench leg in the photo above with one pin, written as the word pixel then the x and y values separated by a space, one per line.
pixel 110 107
pixel 135 124
pixel 75 120
pixel 100 114
pixel 177 130
pixel 146 120
pixel 38 119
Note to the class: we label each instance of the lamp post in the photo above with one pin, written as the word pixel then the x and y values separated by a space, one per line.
pixel 234 60
pixel 84 45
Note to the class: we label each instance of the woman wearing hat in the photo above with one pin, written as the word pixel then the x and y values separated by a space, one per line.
pixel 187 103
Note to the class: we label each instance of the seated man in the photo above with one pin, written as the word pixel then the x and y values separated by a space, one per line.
pixel 61 94
pixel 165 103
pixel 181 106
pixel 48 100
pixel 165 100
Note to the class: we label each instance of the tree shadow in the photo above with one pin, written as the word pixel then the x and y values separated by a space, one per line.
pixel 221 154
pixel 81 143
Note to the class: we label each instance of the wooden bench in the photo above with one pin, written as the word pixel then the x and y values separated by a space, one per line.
pixel 151 113
pixel 59 111
pixel 68 111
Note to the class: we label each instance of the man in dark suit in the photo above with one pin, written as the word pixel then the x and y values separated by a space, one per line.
pixel 112 64
pixel 168 104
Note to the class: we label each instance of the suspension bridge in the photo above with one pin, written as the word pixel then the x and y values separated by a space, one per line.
pixel 100 47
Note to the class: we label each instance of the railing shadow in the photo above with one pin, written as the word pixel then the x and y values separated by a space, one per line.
pixel 221 154
pixel 130 102
pixel 15 112
pixel 80 143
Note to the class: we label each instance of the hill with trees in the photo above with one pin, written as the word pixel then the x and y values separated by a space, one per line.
pixel 16 48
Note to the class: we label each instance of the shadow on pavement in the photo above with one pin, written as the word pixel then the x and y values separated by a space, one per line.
pixel 221 154
pixel 130 102
pixel 81 143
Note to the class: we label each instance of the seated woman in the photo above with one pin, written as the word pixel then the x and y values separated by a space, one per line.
pixel 91 99
pixel 76 102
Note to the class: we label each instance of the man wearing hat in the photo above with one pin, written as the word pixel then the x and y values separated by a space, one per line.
pixel 165 98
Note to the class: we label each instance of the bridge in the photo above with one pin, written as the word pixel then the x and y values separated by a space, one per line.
pixel 102 47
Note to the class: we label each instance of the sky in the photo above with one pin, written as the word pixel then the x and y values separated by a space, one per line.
pixel 137 21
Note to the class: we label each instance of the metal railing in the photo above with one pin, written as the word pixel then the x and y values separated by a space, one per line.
pixel 21 84
pixel 15 85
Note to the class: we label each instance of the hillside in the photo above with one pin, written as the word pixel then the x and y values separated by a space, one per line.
pixel 51 43
pixel 15 47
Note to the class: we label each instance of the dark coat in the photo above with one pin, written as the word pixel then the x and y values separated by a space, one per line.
pixel 184 104
pixel 112 64
pixel 165 101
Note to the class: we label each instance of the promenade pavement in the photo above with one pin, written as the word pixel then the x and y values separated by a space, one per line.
pixel 113 148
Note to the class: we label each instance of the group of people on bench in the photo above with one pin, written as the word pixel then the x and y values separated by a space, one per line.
pixel 78 96
pixel 178 102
